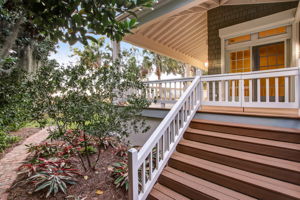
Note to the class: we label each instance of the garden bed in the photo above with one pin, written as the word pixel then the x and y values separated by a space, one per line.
pixel 89 185
pixel 22 134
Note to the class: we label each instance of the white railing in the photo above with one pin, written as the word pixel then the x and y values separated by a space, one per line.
pixel 277 88
pixel 146 165
pixel 167 91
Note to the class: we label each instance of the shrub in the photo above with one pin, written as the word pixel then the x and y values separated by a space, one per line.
pixel 7 140
pixel 84 103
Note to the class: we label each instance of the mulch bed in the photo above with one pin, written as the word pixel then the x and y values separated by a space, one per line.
pixel 85 189
pixel 23 133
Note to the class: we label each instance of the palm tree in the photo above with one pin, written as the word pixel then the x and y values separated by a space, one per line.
pixel 161 64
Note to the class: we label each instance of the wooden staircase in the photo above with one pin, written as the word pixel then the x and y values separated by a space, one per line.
pixel 220 160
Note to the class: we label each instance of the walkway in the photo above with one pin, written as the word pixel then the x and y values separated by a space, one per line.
pixel 13 160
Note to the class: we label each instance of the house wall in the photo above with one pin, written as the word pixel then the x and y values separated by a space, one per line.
pixel 225 16
pixel 155 116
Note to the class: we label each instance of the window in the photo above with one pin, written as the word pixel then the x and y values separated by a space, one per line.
pixel 269 56
pixel 272 32
pixel 239 39
pixel 240 61
pixel 262 50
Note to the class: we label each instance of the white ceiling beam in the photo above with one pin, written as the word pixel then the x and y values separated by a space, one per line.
pixel 297 16
pixel 184 33
pixel 216 2
pixel 188 37
pixel 181 32
pixel 191 40
pixel 147 43
pixel 175 27
pixel 240 2
pixel 160 28
pixel 195 41
pixel 222 2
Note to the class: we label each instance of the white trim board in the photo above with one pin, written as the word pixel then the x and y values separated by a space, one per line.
pixel 260 24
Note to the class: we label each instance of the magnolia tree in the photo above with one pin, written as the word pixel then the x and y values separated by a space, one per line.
pixel 65 20
pixel 89 101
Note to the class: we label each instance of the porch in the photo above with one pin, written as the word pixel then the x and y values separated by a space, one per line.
pixel 236 93
pixel 252 50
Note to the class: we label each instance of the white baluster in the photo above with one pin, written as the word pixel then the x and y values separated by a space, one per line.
pixel 157 155
pixel 143 176
pixel 233 91
pixel 276 90
pixel 286 89
pixel 267 90
pixel 250 90
pixel 226 91
pixel 241 92
pixel 208 90
pixel 258 91
pixel 220 91
pixel 214 91
pixel 150 165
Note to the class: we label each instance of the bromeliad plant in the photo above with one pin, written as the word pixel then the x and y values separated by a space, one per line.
pixel 53 176
pixel 120 174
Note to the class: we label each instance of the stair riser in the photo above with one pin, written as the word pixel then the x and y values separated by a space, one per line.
pixel 275 152
pixel 265 134
pixel 229 182
pixel 258 168
pixel 182 189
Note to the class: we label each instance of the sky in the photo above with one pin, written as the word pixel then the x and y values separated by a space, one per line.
pixel 64 56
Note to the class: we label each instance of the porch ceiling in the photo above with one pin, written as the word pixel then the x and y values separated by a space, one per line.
pixel 180 32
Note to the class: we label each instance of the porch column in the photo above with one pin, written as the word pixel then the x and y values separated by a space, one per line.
pixel 115 49
pixel 187 72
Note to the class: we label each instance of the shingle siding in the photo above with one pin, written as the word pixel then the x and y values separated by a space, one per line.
pixel 225 16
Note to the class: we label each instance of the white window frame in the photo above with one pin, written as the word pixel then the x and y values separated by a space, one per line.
pixel 285 18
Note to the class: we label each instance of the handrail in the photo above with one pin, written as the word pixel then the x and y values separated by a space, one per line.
pixel 168 90
pixel 277 88
pixel 146 165
pixel 170 80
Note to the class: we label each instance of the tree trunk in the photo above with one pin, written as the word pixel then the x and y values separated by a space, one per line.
pixel 10 40
pixel 8 44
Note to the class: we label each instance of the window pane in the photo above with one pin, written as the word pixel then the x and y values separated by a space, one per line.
pixel 233 56
pixel 263 61
pixel 272 60
pixel 281 59
pixel 239 66
pixel 239 39
pixel 240 55
pixel 271 32
pixel 263 51
pixel 246 54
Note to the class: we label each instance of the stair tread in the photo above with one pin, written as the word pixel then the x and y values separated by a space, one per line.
pixel 279 144
pixel 203 186
pixel 276 162
pixel 248 126
pixel 171 194
pixel 159 195
pixel 255 179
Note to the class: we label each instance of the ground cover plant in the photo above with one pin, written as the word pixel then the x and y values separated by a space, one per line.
pixel 58 173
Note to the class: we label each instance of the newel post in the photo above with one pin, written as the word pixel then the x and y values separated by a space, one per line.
pixel 297 85
pixel 133 174
pixel 200 88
